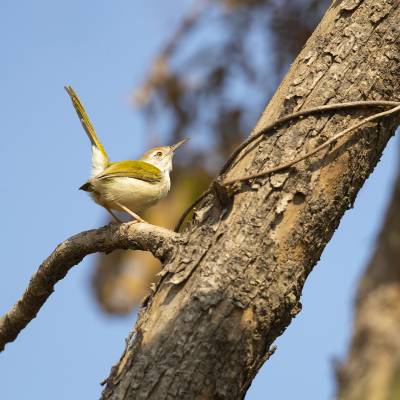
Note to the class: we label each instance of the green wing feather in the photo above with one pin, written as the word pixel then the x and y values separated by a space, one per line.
pixel 132 169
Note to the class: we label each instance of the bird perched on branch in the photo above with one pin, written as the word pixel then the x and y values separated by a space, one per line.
pixel 131 186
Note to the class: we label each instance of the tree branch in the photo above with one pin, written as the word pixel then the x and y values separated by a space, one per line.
pixel 69 253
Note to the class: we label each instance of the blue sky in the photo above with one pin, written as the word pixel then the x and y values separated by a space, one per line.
pixel 104 49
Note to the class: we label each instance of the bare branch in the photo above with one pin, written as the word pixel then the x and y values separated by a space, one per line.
pixel 69 253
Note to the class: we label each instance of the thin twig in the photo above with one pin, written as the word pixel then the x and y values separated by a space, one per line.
pixel 190 208
pixel 300 114
pixel 69 253
pixel 274 125
pixel 288 164
pixel 152 81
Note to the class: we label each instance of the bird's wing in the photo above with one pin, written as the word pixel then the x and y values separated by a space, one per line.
pixel 100 159
pixel 132 169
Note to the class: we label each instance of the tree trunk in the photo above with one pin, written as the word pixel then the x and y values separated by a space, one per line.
pixel 234 286
pixel 372 370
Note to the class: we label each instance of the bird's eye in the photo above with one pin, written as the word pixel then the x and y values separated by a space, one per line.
pixel 159 154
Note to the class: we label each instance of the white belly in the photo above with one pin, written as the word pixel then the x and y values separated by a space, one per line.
pixel 133 193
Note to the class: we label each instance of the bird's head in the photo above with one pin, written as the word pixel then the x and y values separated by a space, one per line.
pixel 161 157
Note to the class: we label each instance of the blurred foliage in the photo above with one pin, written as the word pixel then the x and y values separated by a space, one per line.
pixel 210 81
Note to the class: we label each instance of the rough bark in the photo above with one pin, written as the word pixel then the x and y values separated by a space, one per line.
pixel 372 369
pixel 235 285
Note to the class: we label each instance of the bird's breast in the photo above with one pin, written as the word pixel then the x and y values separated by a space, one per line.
pixel 133 193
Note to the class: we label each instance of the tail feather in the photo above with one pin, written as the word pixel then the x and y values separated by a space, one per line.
pixel 100 159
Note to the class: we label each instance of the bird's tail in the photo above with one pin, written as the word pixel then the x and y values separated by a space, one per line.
pixel 100 159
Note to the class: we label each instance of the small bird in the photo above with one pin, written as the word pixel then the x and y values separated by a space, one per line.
pixel 131 186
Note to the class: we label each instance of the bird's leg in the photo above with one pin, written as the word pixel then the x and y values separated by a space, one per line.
pixel 114 216
pixel 130 212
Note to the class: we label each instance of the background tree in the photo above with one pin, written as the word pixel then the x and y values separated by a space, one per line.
pixel 372 368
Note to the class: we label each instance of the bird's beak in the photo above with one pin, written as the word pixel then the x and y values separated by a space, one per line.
pixel 175 146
